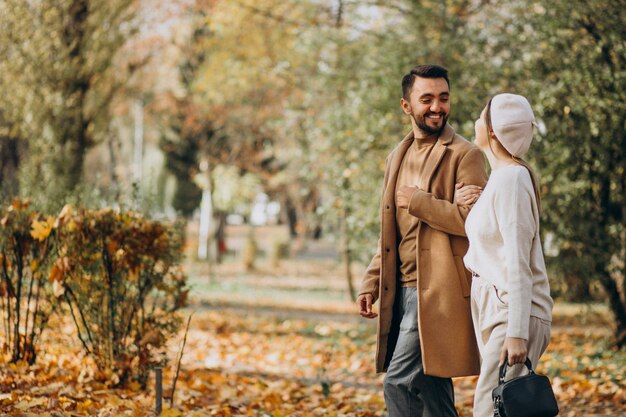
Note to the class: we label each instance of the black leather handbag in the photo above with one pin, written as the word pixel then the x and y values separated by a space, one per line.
pixel 525 396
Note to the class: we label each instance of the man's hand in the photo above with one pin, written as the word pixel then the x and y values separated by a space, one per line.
pixel 365 306
pixel 466 195
pixel 515 349
pixel 404 195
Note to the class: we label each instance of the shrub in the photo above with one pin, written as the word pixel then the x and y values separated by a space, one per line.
pixel 119 274
pixel 25 298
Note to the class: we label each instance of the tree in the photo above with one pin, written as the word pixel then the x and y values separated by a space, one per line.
pixel 353 118
pixel 576 72
pixel 57 57
pixel 182 141
pixel 254 68
pixel 11 151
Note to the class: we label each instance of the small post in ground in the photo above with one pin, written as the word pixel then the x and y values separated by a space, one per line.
pixel 159 390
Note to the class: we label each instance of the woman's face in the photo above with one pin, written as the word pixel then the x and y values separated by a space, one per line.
pixel 480 130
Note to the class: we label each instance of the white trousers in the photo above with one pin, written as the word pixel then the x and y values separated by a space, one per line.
pixel 490 317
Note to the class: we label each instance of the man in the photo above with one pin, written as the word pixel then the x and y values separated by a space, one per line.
pixel 425 333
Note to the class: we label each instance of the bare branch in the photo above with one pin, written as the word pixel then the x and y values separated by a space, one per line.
pixel 180 358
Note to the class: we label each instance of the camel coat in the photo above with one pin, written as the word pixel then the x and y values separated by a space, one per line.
pixel 446 332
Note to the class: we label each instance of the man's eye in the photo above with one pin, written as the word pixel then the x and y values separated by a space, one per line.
pixel 425 101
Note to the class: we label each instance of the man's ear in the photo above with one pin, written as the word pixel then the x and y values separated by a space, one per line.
pixel 406 106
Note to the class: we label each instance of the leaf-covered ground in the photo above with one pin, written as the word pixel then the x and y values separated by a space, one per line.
pixel 287 358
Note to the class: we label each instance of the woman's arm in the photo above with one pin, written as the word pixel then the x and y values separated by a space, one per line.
pixel 517 224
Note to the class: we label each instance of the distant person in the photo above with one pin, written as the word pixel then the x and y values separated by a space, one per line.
pixel 511 303
pixel 425 333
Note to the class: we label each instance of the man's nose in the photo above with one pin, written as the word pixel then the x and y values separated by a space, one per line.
pixel 435 106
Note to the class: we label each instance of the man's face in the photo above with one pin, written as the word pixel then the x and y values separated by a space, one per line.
pixel 429 104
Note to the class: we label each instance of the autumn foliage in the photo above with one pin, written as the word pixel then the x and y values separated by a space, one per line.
pixel 117 276
pixel 25 253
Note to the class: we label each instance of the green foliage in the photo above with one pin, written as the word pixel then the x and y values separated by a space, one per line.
pixel 582 152
pixel 57 59
pixel 568 58
pixel 352 117
pixel 119 275
pixel 234 190
pixel 26 250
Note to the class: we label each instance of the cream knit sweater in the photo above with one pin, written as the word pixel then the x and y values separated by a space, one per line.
pixel 505 247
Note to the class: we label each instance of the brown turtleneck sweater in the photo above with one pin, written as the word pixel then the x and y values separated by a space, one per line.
pixel 410 173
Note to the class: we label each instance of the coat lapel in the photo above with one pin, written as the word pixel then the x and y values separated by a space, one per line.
pixel 394 169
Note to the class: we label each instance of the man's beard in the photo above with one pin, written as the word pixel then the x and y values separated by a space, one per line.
pixel 420 121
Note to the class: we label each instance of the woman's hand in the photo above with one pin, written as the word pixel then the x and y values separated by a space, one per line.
pixel 466 195
pixel 515 349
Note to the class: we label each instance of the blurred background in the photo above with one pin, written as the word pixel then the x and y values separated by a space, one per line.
pixel 262 127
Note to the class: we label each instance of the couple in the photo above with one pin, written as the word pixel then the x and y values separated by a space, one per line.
pixel 436 319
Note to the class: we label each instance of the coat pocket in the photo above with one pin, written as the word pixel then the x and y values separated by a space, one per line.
pixel 464 276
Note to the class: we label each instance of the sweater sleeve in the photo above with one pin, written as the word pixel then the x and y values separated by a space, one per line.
pixel 441 214
pixel 517 224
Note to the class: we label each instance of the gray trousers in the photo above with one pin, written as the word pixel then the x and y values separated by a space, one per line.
pixel 408 392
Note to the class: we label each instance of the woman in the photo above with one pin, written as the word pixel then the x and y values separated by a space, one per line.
pixel 511 303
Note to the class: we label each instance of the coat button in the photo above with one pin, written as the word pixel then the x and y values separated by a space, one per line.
pixel 387 206
pixel 386 289
pixel 387 249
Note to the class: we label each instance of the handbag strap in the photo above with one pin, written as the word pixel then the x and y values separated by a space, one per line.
pixel 505 365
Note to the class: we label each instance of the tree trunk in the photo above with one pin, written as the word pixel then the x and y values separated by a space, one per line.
pixel 220 236
pixel 618 308
pixel 290 213
pixel 72 133
pixel 9 166
pixel 206 224
pixel 115 181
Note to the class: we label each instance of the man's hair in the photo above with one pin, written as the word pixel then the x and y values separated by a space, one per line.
pixel 424 71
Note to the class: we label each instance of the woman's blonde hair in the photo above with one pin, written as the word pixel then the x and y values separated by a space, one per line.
pixel 520 161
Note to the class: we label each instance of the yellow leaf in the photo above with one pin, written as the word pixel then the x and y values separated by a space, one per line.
pixel 134 386
pixel 37 402
pixel 84 406
pixel 171 412
pixel 56 273
pixel 41 229
pixel 66 211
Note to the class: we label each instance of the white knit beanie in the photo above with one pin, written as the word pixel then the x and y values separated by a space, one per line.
pixel 512 120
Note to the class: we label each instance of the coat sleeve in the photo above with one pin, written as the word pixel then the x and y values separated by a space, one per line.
pixel 371 278
pixel 441 214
